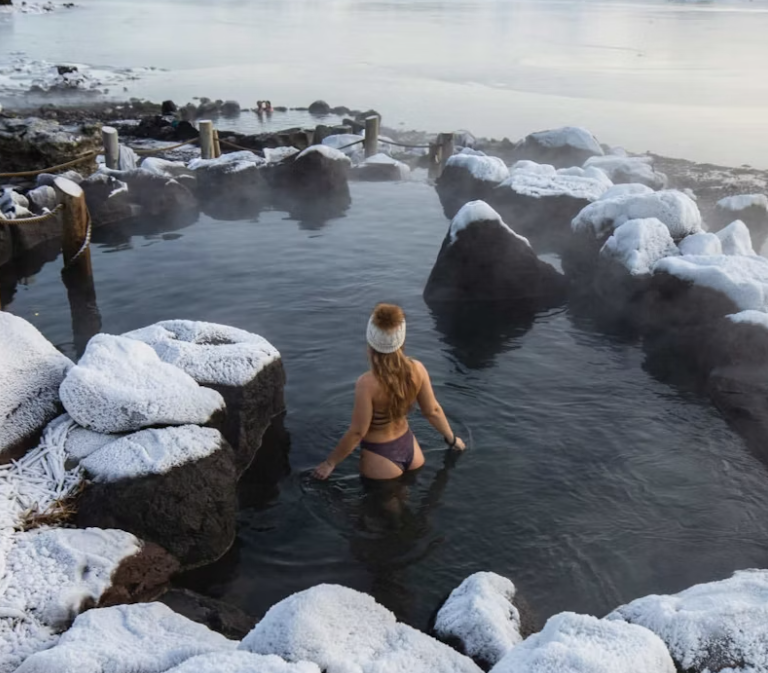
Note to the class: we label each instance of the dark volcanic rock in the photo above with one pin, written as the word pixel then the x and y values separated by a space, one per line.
pixel 482 259
pixel 218 616
pixel 141 578
pixel 232 186
pixel 189 510
pixel 230 108
pixel 168 108
pixel 469 177
pixel 319 107
pixel 108 199
pixel 562 148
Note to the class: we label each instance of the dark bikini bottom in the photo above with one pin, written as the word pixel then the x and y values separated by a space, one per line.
pixel 399 451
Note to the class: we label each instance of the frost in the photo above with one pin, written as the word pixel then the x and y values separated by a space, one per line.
pixel 274 155
pixel 242 662
pixel 480 613
pixel 542 180
pixel 744 201
pixel 326 151
pixel 121 385
pixel 480 167
pixel 735 239
pixel 638 244
pixel 629 170
pixel 702 243
pixel 622 190
pixel 209 353
pixel 232 162
pixel 477 212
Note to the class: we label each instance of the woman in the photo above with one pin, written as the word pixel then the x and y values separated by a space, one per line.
pixel 383 397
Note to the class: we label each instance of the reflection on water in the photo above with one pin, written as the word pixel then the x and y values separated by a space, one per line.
pixel 588 481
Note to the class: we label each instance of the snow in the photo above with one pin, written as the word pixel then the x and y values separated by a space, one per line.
pixel 127 159
pixel 385 160
pixel 743 279
pixel 232 162
pixel 673 208
pixel 48 577
pixel 164 167
pixel 629 170
pixel 326 151
pixel 43 198
pixel 480 613
pixel 154 451
pixel 81 442
pixel 274 155
pixel 571 643
pixel 542 180
pixel 355 153
pixel 14 205
pixel 209 353
pixel 147 637
pixel 735 239
pixel 121 385
pixel 568 136
pixel 242 662
pixel 38 479
pixel 744 201
pixel 32 370
pixel 702 243
pixel 719 623
pixel 638 244
pixel 621 190
pixel 750 317
pixel 480 167
pixel 475 212
pixel 345 631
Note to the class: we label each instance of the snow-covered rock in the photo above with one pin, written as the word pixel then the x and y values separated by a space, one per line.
pixel 571 643
pixel 638 244
pixel 233 186
pixel 32 371
pixel 629 170
pixel 275 155
pixel 232 162
pixel 718 626
pixel 42 199
pixel 735 239
pixel 562 147
pixel 327 152
pixel 147 637
pixel 481 615
pixel 469 176
pixel 528 178
pixel 166 168
pixel 623 190
pixel 703 243
pixel 345 631
pixel 342 142
pixel 483 259
pixel 243 662
pixel 752 209
pixel 749 317
pixel 673 208
pixel 121 385
pixel 245 368
pixel 380 168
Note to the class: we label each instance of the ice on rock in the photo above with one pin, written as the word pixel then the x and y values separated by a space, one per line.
pixel 629 170
pixel 121 385
pixel 702 243
pixel 750 317
pixel 243 662
pixel 232 162
pixel 735 239
pixel 480 614
pixel 209 353
pixel 571 643
pixel 275 155
pixel 743 279
pixel 480 166
pixel 345 631
pixel 81 442
pixel 146 637
pixel 541 180
pixel 744 201
pixel 622 190
pixel 638 244
pixel 718 626
pixel 476 212
pixel 154 451
pixel 673 208
pixel 32 370
pixel 326 151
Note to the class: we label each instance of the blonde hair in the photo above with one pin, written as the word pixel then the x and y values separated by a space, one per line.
pixel 393 371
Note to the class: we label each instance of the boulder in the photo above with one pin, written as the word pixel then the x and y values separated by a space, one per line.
pixel 218 616
pixel 481 617
pixel 752 209
pixel 156 194
pixel 172 486
pixel 542 201
pixel 469 177
pixel 41 199
pixel 121 385
pixel 108 199
pixel 343 630
pixel 562 148
pixel 274 155
pixel 629 170
pixel 230 108
pixel 380 168
pixel 571 643
pixel 147 637
pixel 702 243
pixel 319 107
pixel 34 144
pixel 29 236
pixel 242 662
pixel 168 108
pixel 245 368
pixel 716 626
pixel 482 259
pixel 32 371
pixel 735 239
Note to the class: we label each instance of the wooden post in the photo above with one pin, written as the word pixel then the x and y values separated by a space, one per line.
pixel 111 146
pixel 445 141
pixel 371 135
pixel 216 145
pixel 206 139
pixel 74 218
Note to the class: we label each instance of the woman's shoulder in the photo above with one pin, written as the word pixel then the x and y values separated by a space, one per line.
pixel 418 368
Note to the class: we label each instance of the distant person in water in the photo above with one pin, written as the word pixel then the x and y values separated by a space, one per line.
pixel 383 397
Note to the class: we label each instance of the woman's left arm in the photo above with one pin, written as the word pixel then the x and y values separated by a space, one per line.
pixel 361 421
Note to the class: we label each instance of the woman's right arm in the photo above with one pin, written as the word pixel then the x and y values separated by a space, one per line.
pixel 432 410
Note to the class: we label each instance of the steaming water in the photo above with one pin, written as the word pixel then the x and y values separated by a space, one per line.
pixel 680 78
pixel 588 481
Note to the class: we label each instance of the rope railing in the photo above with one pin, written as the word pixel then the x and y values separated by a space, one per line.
pixel 397 144
pixel 39 219
pixel 84 246
pixel 52 169
pixel 229 143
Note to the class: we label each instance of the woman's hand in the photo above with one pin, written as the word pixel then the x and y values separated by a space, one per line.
pixel 459 444
pixel 323 470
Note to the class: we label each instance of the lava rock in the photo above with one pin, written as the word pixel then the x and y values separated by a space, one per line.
pixel 218 616
pixel 141 577
pixel 469 177
pixel 230 108
pixel 168 108
pixel 107 199
pixel 319 107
